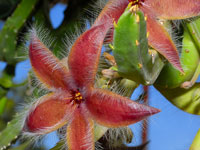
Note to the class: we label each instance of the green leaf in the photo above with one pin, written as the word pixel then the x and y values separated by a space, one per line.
pixel 3 102
pixel 2 91
pixel 6 81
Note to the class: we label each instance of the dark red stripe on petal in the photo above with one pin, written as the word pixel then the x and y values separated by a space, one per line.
pixel 46 66
pixel 80 133
pixel 51 113
pixel 84 56
pixel 113 110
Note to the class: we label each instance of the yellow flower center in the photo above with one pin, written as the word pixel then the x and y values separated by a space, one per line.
pixel 77 98
pixel 137 3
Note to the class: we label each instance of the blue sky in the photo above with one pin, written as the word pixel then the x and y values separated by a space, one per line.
pixel 172 129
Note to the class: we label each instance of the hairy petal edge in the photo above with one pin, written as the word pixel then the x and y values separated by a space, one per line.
pixel 161 41
pixel 80 134
pixel 46 66
pixel 113 110
pixel 84 56
pixel 50 113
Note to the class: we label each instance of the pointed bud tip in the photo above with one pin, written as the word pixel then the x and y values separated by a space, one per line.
pixel 149 111
pixel 155 111
pixel 179 68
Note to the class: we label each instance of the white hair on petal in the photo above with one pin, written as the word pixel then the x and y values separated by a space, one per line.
pixel 116 137
pixel 177 24
pixel 22 116
pixel 103 64
pixel 95 9
pixel 35 83
pixel 28 108
pixel 114 87
pixel 70 38
pixel 48 57
pixel 88 143
pixel 35 86
pixel 98 146
pixel 178 39
pixel 43 34
pixel 33 102
pixel 22 48
pixel 33 137
pixel 61 132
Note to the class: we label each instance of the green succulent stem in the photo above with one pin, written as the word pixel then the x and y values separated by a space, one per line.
pixel 194 29
pixel 12 26
pixel 134 59
pixel 10 133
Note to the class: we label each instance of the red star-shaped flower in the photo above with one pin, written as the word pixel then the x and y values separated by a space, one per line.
pixel 73 100
pixel 155 10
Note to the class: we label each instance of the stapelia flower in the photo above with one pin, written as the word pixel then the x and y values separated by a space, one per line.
pixel 155 10
pixel 73 100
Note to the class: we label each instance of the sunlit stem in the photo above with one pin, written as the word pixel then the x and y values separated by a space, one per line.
pixel 196 142
pixel 145 122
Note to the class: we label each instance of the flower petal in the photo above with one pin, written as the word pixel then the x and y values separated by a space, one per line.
pixel 161 41
pixel 113 110
pixel 110 13
pixel 45 65
pixel 51 113
pixel 84 56
pixel 174 9
pixel 80 134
